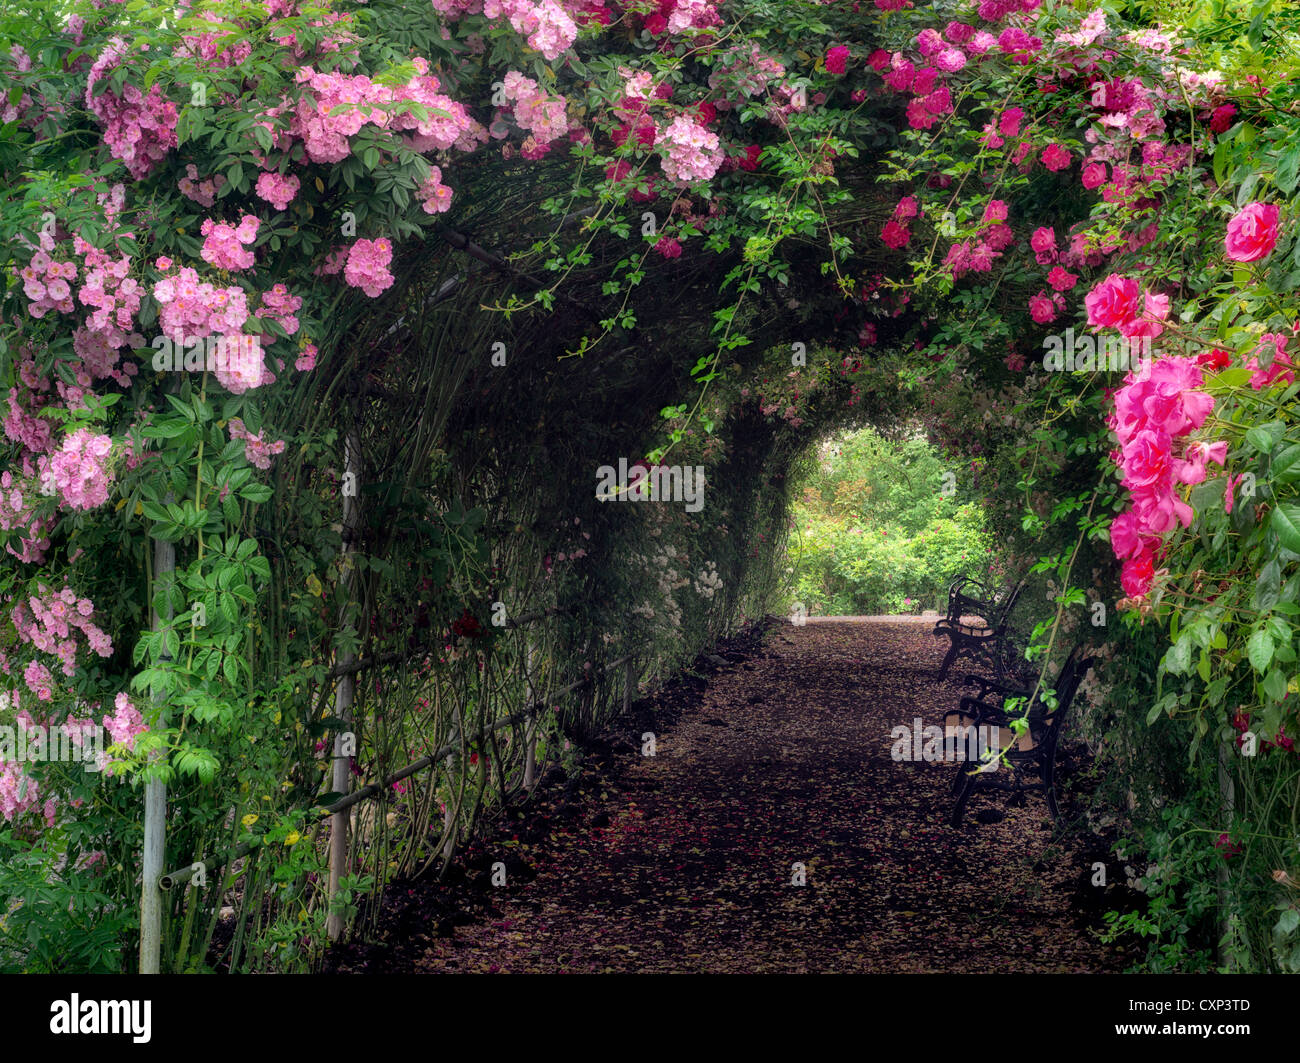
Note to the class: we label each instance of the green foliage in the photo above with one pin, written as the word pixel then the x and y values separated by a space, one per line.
pixel 882 528
pixel 58 919
pixel 477 493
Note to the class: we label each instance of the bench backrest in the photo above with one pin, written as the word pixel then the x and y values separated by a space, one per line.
pixel 1009 660
pixel 985 601
pixel 1067 684
pixel 1005 609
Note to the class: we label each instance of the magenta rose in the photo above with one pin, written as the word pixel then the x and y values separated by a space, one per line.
pixel 1126 538
pixel 1042 309
pixel 1044 239
pixel 1147 460
pixel 1252 233
pixel 1113 303
pixel 1094 174
pixel 895 235
pixel 837 59
pixel 1137 575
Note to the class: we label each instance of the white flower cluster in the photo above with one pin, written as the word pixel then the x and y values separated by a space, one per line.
pixel 665 564
pixel 1134 882
pixel 708 582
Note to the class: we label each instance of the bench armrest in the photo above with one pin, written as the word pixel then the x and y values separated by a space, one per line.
pixel 986 684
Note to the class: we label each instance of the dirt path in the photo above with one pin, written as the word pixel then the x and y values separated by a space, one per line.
pixel 684 861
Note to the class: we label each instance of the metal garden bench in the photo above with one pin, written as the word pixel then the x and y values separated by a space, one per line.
pixel 1045 723
pixel 982 641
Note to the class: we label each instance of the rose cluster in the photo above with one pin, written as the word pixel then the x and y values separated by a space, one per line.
pixel 367 266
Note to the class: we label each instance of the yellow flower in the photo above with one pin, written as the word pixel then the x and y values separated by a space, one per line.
pixel 249 819
pixel 293 839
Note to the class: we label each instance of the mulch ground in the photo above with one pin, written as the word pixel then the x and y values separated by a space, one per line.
pixel 684 861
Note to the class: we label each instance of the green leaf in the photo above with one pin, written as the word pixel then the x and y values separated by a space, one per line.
pixel 1259 648
pixel 1285 521
pixel 1179 656
pixel 184 409
pixel 1287 168
pixel 1275 684
pixel 1268 586
pixel 1286 466
pixel 1260 440
pixel 165 430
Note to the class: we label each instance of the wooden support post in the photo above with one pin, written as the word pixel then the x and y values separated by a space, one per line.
pixel 449 814
pixel 155 805
pixel 530 728
pixel 344 740
pixel 1227 804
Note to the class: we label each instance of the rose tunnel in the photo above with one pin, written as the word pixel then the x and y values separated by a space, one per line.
pixel 395 392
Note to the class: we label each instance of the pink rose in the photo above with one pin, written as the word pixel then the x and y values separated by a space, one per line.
pixel 1126 537
pixel 1041 308
pixel 1009 121
pixel 1061 279
pixel 1155 310
pixel 1044 239
pixel 1191 470
pixel 1094 174
pixel 895 235
pixel 1055 157
pixel 1228 488
pixel 1137 576
pixel 1113 303
pixel 1252 233
pixel 837 59
pixel 1147 461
